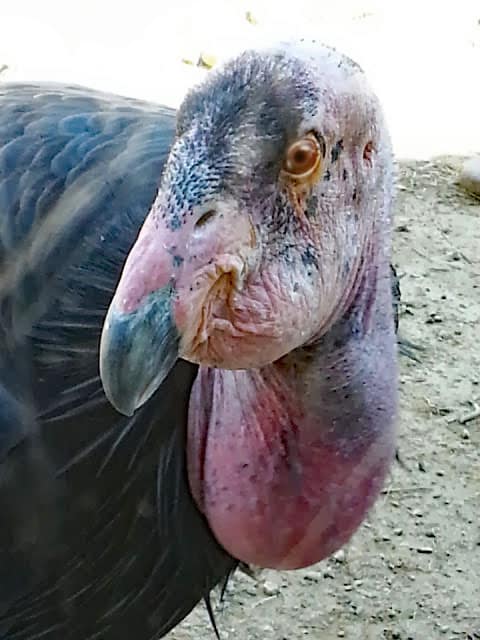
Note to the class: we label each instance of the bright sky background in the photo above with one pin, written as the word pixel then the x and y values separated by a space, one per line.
pixel 422 57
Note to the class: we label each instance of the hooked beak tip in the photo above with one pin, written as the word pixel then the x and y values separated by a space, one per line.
pixel 137 351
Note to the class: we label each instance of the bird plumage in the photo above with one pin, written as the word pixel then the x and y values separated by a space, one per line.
pixel 94 506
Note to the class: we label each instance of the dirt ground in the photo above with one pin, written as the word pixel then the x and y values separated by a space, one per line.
pixel 413 570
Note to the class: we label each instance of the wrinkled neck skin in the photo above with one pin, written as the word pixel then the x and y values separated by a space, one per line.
pixel 285 461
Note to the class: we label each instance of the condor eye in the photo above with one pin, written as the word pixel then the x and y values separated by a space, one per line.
pixel 303 157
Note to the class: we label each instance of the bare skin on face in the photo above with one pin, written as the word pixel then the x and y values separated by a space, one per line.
pixel 272 226
pixel 285 461
pixel 270 197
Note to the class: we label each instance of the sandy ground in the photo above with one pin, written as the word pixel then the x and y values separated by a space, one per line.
pixel 413 570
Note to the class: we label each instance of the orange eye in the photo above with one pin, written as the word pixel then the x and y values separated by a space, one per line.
pixel 302 157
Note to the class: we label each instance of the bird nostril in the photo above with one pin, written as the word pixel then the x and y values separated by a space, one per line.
pixel 205 218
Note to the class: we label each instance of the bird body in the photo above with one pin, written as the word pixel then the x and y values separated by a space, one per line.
pixel 84 501
pixel 268 440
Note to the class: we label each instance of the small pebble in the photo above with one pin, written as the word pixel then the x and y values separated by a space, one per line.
pixel 455 256
pixel 270 588
pixel 433 318
pixel 398 531
pixel 340 556
pixel 314 576
pixel 424 550
pixel 341 634
pixel 465 434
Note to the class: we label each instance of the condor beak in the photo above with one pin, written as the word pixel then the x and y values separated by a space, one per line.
pixel 137 350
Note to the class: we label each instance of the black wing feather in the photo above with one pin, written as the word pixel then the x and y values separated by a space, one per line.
pixel 120 549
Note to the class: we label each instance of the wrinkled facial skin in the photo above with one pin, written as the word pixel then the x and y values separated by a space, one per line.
pixel 243 259
pixel 260 263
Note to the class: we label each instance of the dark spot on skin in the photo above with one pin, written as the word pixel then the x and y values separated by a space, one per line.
pixel 174 223
pixel 285 252
pixel 327 175
pixel 354 196
pixel 345 174
pixel 337 150
pixel 296 287
pixel 268 124
pixel 177 260
pixel 345 269
pixel 309 257
pixel 312 206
